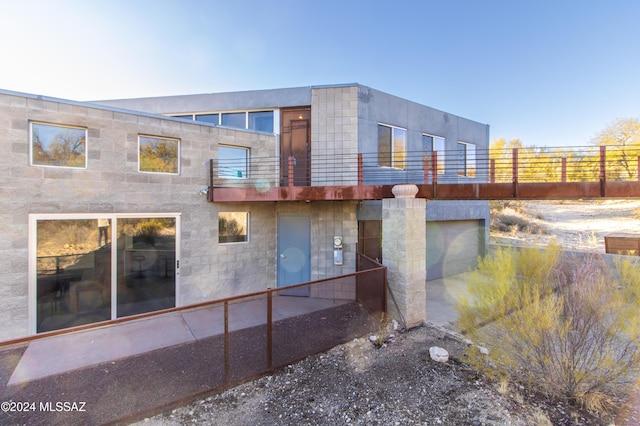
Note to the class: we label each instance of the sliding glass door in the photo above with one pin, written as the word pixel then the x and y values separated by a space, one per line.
pixel 87 269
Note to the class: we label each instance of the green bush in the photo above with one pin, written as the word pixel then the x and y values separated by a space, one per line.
pixel 561 323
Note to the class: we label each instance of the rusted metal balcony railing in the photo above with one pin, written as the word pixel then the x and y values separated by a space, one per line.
pixel 528 173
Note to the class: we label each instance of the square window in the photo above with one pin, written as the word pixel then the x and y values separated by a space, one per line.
pixel 58 146
pixel 233 227
pixel 392 145
pixel 233 162
pixel 158 155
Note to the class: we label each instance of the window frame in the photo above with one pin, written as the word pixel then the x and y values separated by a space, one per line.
pixel 247 227
pixel 465 161
pixel 32 161
pixel 395 156
pixel 441 152
pixel 167 138
pixel 247 159
pixel 247 118
pixel 32 276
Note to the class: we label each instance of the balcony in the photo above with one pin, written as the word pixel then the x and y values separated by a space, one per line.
pixel 526 173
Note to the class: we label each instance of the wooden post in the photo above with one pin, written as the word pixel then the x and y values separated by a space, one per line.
pixel 564 169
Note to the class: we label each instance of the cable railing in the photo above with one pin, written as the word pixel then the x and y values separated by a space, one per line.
pixel 562 164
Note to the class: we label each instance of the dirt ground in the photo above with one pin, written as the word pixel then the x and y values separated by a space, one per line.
pixel 399 384
pixel 576 225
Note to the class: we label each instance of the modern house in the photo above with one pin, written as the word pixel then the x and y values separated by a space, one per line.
pixel 117 207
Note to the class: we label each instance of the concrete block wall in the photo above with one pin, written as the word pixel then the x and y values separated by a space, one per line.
pixel 334 130
pixel 111 183
pixel 330 219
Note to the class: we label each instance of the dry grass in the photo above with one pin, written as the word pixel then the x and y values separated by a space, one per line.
pixel 511 217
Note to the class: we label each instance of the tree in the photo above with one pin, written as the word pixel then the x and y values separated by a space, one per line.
pixel 623 137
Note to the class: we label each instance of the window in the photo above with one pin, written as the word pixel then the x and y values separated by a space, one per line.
pixel 209 118
pixel 86 268
pixel 58 146
pixel 158 155
pixel 432 143
pixel 233 162
pixel 392 143
pixel 235 119
pixel 233 227
pixel 260 121
pixel 466 159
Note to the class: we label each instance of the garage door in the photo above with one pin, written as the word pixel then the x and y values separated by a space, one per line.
pixel 453 246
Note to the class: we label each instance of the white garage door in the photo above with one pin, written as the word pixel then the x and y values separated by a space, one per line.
pixel 453 246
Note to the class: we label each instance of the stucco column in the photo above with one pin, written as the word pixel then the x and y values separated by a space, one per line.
pixel 404 253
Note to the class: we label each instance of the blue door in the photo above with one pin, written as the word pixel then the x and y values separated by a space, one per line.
pixel 294 248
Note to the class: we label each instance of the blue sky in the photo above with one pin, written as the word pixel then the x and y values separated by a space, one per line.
pixel 552 73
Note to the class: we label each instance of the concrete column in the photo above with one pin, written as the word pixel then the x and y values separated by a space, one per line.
pixel 404 253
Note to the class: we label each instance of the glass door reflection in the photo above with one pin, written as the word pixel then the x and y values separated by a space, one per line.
pixel 146 251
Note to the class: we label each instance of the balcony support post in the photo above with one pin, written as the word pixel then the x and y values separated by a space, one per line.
pixel 404 254
pixel 603 169
pixel 514 171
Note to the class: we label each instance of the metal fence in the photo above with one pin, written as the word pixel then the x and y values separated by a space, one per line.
pixel 535 164
pixel 236 339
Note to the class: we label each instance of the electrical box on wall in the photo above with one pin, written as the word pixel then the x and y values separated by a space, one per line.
pixel 337 251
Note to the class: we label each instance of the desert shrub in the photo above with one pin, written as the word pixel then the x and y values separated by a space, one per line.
pixel 499 205
pixel 509 219
pixel 556 322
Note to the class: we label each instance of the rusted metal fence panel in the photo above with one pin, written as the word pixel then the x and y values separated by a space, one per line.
pixel 371 287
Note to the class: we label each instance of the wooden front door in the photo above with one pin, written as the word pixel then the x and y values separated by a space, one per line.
pixel 295 142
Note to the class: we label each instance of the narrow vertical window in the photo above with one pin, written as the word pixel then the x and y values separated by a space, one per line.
pixel 392 145
pixel 466 159
pixel 431 144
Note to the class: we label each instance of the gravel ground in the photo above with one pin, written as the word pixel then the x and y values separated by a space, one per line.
pixel 396 384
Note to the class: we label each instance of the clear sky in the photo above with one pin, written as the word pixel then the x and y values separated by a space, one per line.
pixel 551 73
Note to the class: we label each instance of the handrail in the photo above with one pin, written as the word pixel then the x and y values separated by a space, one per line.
pixel 517 165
